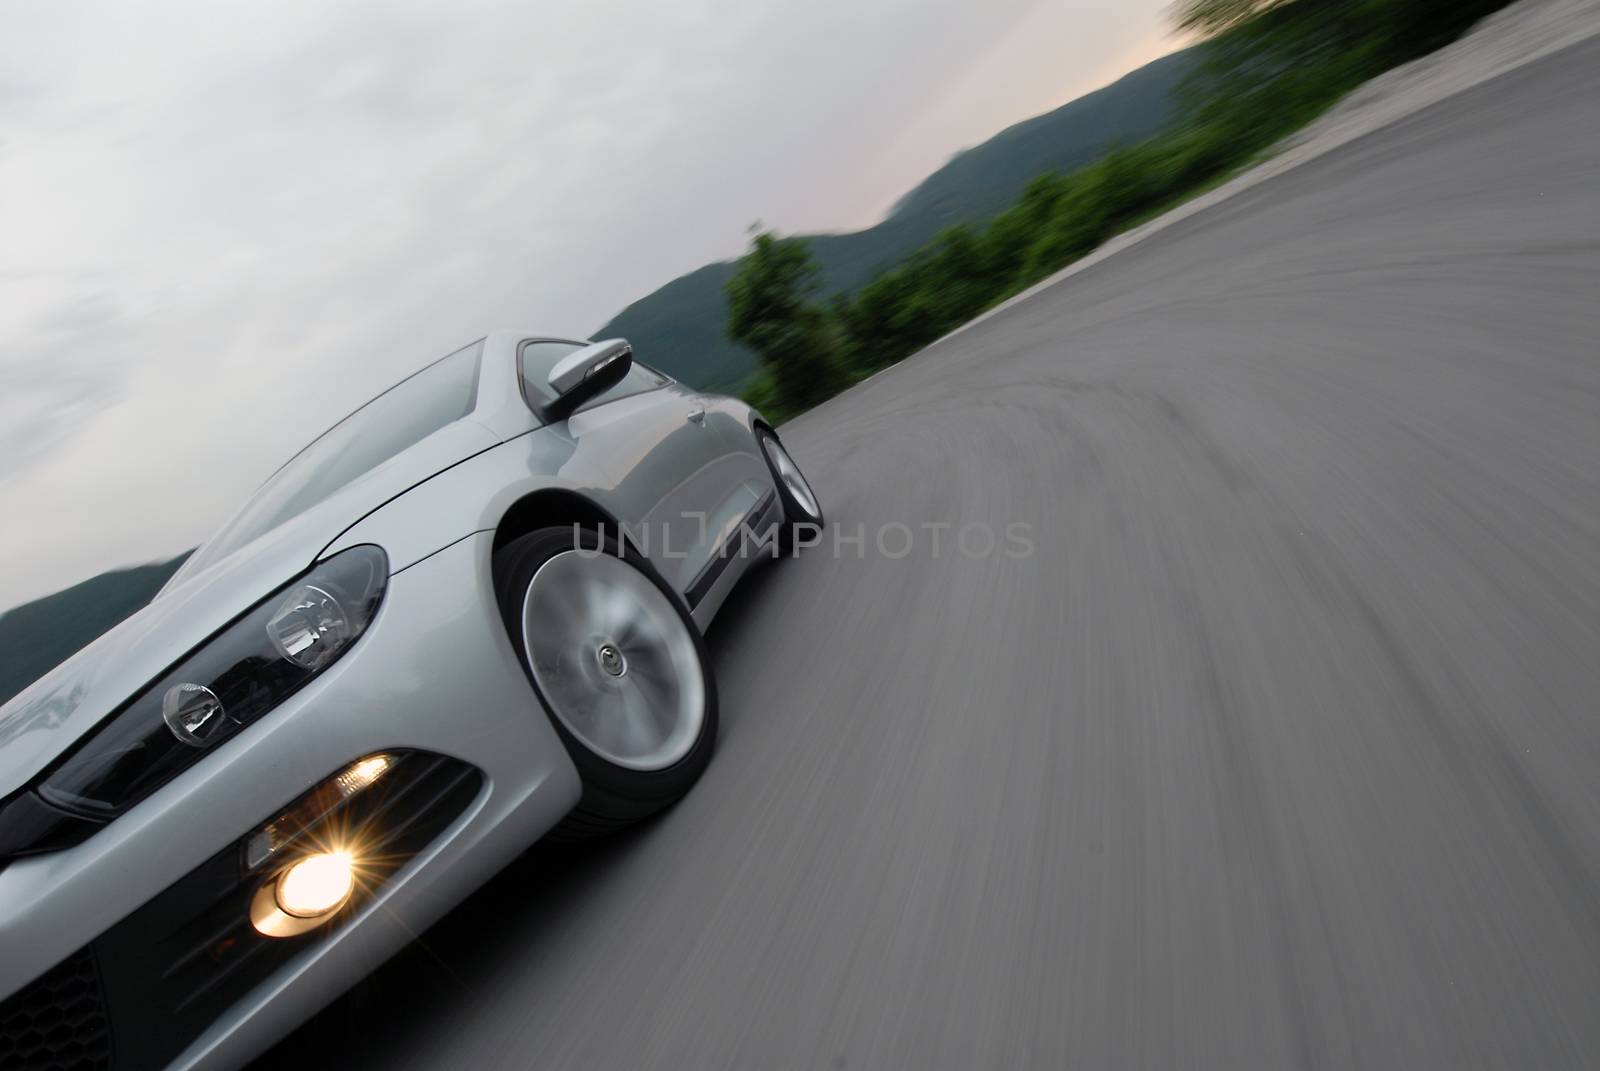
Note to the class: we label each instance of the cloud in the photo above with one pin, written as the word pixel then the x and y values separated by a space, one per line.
pixel 225 227
pixel 50 382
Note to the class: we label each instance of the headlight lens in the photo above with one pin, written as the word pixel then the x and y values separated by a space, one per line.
pixel 228 682
pixel 310 627
pixel 193 713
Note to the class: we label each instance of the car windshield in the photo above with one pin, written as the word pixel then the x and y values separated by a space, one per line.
pixel 400 417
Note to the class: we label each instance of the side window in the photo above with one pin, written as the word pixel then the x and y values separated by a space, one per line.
pixel 538 358
pixel 638 380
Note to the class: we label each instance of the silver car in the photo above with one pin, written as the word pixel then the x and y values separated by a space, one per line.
pixel 465 617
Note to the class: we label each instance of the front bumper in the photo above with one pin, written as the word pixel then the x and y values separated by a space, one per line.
pixel 435 672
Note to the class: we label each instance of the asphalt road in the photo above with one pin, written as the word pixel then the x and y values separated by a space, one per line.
pixel 1281 749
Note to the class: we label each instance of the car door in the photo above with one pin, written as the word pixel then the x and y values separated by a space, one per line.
pixel 673 479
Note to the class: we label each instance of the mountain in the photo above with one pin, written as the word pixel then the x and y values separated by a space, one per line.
pixel 40 635
pixel 682 326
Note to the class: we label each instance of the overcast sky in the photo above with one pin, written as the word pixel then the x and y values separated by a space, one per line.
pixel 224 226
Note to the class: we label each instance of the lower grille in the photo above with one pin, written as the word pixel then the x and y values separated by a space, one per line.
pixel 155 981
pixel 59 1022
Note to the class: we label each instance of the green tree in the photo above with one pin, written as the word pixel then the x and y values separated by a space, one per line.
pixel 771 309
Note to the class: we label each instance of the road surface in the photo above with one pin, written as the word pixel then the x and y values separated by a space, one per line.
pixel 1281 749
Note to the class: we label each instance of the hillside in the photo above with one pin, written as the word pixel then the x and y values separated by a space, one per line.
pixel 680 327
pixel 39 635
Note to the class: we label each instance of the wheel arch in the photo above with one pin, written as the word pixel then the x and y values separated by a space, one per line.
pixel 555 507
pixel 761 423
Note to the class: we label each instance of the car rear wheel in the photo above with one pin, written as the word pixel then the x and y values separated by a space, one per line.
pixel 620 666
pixel 802 515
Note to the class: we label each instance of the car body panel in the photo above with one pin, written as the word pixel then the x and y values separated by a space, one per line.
pixel 754 509
pixel 435 671
pixel 672 472
pixel 684 471
pixel 434 641
pixel 46 718
pixel 671 526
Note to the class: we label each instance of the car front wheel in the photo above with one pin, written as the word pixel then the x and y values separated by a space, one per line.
pixel 619 665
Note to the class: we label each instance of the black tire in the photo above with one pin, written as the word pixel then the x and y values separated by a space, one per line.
pixel 614 796
pixel 799 520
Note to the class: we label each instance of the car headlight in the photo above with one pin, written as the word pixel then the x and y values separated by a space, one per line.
pixel 228 682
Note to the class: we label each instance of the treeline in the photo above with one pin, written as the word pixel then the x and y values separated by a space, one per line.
pixel 1270 67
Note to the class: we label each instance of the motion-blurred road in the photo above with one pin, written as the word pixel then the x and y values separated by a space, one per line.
pixel 1282 749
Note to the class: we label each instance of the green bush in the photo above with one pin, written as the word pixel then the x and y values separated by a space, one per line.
pixel 1271 66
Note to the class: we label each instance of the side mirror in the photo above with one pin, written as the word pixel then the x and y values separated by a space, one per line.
pixel 587 374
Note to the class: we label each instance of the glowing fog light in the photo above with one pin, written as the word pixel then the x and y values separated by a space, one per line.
pixel 310 856
pixel 316 885
pixel 306 894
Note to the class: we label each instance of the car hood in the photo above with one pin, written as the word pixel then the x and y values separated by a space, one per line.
pixel 45 719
